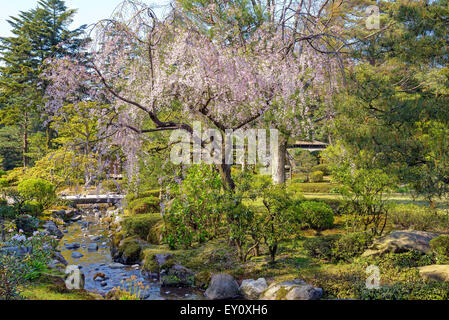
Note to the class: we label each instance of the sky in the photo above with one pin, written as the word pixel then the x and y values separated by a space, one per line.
pixel 89 11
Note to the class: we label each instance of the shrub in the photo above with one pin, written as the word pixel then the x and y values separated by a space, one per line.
pixel 317 176
pixel 2 173
pixel 351 245
pixel 33 208
pixel 42 191
pixel 440 246
pixel 7 212
pixel 193 215
pixel 145 205
pixel 112 185
pixel 410 216
pixel 27 223
pixel 141 225
pixel 4 183
pixel 321 247
pixel 324 168
pixel 316 215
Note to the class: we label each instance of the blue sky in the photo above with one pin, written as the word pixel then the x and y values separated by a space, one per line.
pixel 89 11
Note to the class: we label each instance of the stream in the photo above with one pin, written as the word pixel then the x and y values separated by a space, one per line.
pixel 90 231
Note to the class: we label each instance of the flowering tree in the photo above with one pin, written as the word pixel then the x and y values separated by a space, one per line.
pixel 157 75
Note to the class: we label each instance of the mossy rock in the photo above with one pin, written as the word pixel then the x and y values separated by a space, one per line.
pixel 130 251
pixel 150 264
pixel 145 205
pixel 156 233
pixel 202 279
pixel 141 225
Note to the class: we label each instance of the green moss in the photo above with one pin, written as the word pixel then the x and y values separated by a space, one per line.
pixel 130 250
pixel 202 279
pixel 145 205
pixel 141 225
pixel 281 294
pixel 150 263
pixel 49 287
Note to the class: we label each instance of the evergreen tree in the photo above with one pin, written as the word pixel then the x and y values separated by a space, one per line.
pixel 38 34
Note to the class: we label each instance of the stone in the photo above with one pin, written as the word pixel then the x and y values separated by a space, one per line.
pixel 51 228
pixel 161 259
pixel 77 218
pixel 77 255
pixel 104 284
pixel 92 247
pixel 72 246
pixel 435 272
pixel 98 276
pixel 401 241
pixel 95 238
pixel 222 286
pixel 60 258
pixel 116 265
pixel 252 289
pixel 75 278
pixel 292 290
pixel 178 275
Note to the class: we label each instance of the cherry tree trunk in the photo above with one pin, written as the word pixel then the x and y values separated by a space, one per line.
pixel 278 163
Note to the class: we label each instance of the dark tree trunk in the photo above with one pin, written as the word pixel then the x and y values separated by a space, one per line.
pixel 226 178
pixel 25 141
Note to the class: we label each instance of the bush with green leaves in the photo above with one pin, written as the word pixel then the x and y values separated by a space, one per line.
pixel 351 245
pixel 321 247
pixel 7 212
pixel 324 168
pixel 411 216
pixel 193 214
pixel 244 229
pixel 27 223
pixel 317 176
pixel 440 247
pixel 315 215
pixel 39 190
pixel 145 205
pixel 277 220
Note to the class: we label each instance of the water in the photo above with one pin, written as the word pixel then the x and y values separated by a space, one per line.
pixel 85 232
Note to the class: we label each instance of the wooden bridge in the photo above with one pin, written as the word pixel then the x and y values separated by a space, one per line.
pixel 94 199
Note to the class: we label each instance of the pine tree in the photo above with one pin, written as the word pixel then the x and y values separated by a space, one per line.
pixel 38 34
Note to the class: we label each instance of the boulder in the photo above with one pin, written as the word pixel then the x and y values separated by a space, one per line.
pixel 292 290
pixel 222 286
pixel 51 228
pixel 72 246
pixel 92 247
pixel 75 278
pixel 60 258
pixel 178 275
pixel 435 272
pixel 116 266
pixel 252 289
pixel 401 241
pixel 77 255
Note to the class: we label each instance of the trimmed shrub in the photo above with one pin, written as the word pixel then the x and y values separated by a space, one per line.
pixel 145 205
pixel 33 208
pixel 141 225
pixel 317 176
pixel 316 215
pixel 351 245
pixel 2 173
